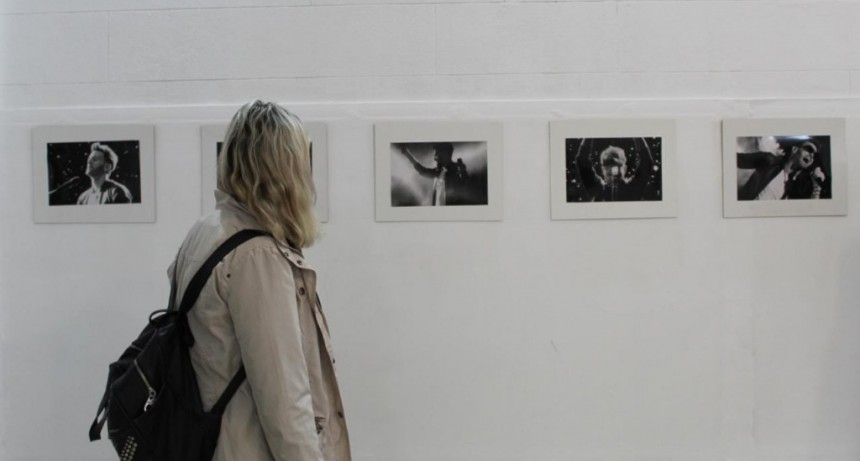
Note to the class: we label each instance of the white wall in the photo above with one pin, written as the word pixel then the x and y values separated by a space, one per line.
pixel 695 338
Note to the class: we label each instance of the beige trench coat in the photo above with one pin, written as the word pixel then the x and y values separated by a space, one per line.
pixel 260 308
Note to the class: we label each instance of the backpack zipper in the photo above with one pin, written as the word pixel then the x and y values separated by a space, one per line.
pixel 150 400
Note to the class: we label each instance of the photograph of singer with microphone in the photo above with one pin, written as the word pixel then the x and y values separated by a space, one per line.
pixel 93 173
pixel 783 167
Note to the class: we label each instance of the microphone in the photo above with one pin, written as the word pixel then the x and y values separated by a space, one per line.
pixel 65 184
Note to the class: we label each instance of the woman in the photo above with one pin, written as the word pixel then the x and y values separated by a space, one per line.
pixel 259 308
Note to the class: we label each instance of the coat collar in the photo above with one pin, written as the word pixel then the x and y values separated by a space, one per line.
pixel 226 202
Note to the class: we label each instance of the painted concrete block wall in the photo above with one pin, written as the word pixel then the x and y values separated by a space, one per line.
pixel 694 338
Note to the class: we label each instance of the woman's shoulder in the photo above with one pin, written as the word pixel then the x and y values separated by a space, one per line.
pixel 262 246
pixel 265 247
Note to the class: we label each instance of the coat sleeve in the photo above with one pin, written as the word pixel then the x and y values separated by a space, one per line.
pixel 262 303
pixel 756 160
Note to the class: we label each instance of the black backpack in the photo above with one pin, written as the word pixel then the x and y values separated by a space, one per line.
pixel 152 403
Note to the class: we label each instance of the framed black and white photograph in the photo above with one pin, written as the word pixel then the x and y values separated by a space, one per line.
pixel 438 171
pixel 784 167
pixel 93 174
pixel 604 169
pixel 212 137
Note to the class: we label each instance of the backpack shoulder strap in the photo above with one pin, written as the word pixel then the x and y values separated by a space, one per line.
pixel 228 393
pixel 195 286
pixel 199 280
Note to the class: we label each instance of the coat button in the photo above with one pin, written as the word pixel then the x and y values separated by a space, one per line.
pixel 302 291
pixel 340 413
pixel 299 262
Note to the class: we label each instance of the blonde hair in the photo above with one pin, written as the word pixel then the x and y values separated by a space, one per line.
pixel 265 164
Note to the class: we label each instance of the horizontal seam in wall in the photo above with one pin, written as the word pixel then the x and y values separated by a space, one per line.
pixel 221 8
pixel 312 3
pixel 482 74
pixel 366 102
pixel 426 75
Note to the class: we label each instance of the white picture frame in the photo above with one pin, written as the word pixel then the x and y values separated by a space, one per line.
pixel 212 135
pixel 646 180
pixel 765 172
pixel 403 194
pixel 63 181
pixel 210 138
